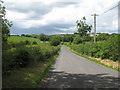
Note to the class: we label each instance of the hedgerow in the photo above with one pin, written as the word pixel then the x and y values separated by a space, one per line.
pixel 15 58
pixel 108 49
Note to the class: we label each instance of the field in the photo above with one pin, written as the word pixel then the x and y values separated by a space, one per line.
pixel 16 39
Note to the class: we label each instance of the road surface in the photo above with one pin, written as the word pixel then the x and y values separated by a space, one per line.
pixel 73 71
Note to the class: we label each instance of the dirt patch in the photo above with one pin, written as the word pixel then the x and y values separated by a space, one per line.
pixel 111 63
pixel 107 62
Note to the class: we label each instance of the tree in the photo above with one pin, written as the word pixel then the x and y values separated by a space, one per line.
pixel 42 37
pixel 82 27
pixel 27 42
pixel 34 42
pixel 102 36
pixel 54 42
pixel 5 27
pixel 23 35
pixel 28 35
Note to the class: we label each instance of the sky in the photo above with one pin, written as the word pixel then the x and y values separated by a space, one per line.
pixel 59 16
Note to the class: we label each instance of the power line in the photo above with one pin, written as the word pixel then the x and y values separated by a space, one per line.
pixel 110 9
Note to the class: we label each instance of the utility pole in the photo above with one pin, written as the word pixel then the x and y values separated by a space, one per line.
pixel 94 26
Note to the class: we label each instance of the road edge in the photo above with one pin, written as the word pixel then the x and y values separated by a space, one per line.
pixel 93 60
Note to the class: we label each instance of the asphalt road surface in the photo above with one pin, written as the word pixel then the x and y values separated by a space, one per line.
pixel 73 71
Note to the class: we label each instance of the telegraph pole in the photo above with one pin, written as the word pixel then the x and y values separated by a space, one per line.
pixel 94 26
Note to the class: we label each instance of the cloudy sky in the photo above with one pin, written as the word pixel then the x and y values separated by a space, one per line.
pixel 59 16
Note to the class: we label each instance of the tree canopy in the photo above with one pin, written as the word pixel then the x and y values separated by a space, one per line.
pixel 82 27
pixel 5 25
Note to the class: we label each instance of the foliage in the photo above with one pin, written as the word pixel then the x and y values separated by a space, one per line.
pixel 22 34
pixel 78 40
pixel 43 37
pixel 34 36
pixel 5 28
pixel 28 35
pixel 54 42
pixel 104 49
pixel 34 42
pixel 102 36
pixel 83 28
pixel 28 77
pixel 25 55
pixel 27 42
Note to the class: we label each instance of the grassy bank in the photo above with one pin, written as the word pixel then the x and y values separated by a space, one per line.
pixel 30 76
pixel 17 39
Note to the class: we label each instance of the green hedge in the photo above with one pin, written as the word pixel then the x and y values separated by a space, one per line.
pixel 20 57
pixel 54 42
pixel 105 49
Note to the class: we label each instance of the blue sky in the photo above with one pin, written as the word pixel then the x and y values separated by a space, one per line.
pixel 59 16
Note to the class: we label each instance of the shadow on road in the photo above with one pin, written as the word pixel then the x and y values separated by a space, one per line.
pixel 69 80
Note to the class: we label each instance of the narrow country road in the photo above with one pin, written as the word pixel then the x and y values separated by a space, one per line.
pixel 73 71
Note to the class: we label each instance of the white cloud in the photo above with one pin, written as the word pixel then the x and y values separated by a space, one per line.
pixel 73 28
pixel 14 15
pixel 62 15
pixel 67 14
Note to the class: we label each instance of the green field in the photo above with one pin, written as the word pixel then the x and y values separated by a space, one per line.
pixel 16 39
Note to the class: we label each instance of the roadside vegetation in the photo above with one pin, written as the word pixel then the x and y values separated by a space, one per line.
pixel 26 66
pixel 26 63
pixel 26 59
pixel 105 50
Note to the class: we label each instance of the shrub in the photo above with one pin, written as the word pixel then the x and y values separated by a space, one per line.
pixel 21 57
pixel 54 42
pixel 114 43
pixel 27 42
pixel 34 42
pixel 108 49
pixel 102 37
pixel 77 40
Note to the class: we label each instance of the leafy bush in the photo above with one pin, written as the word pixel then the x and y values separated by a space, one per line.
pixel 27 42
pixel 102 36
pixel 54 42
pixel 34 42
pixel 77 40
pixel 108 49
pixel 43 37
pixel 20 57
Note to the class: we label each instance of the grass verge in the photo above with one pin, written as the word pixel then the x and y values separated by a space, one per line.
pixel 93 60
pixel 30 76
